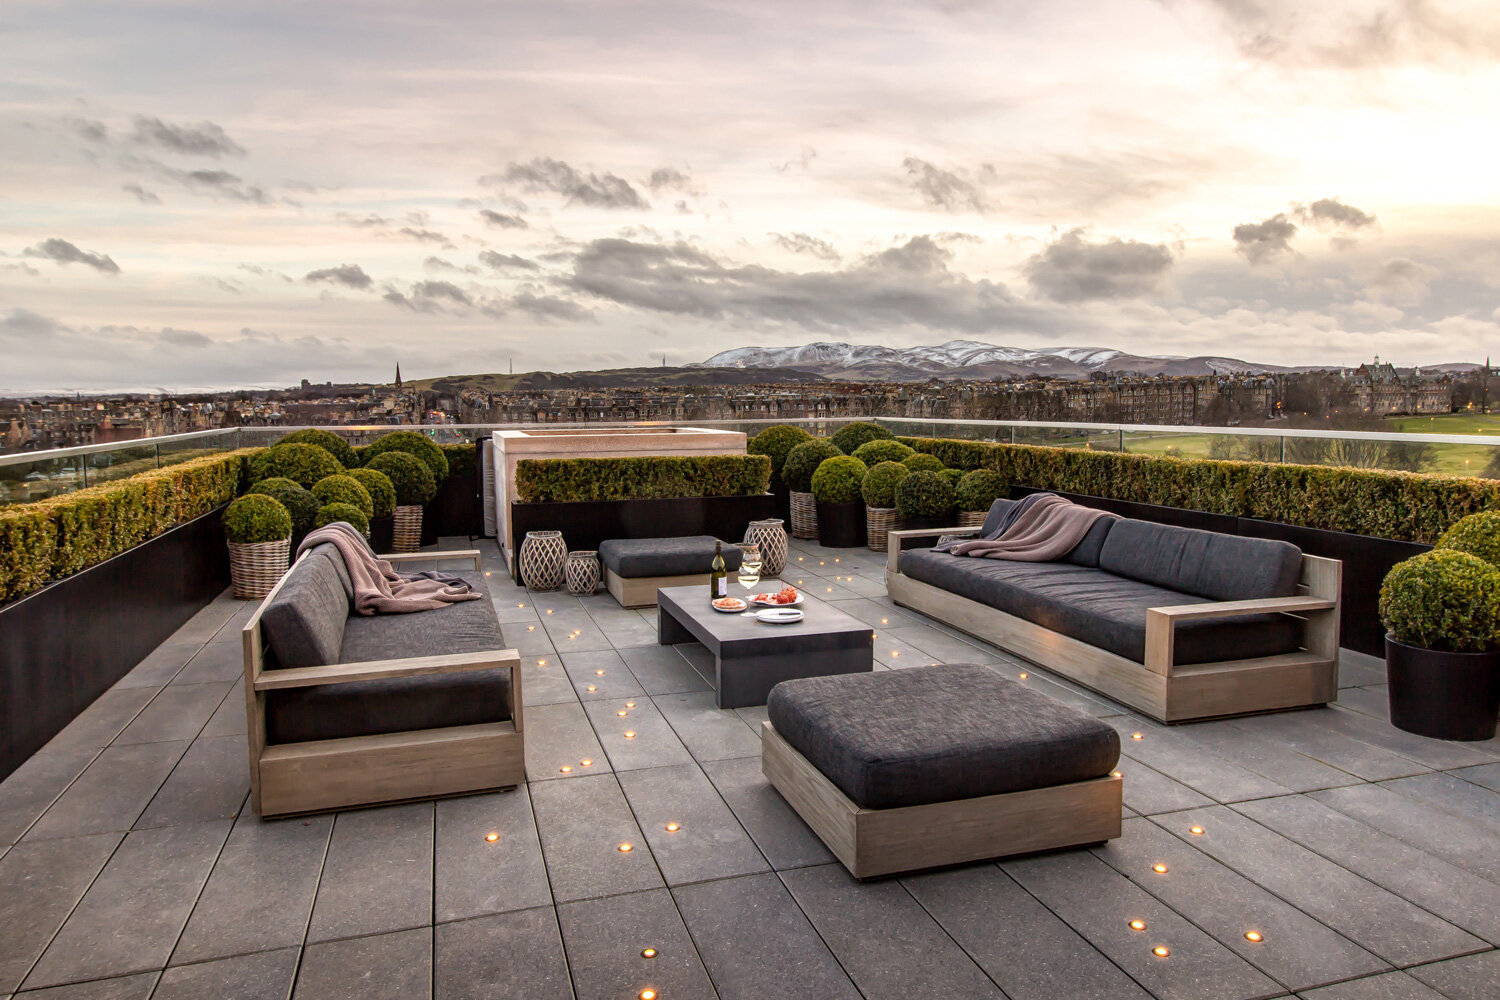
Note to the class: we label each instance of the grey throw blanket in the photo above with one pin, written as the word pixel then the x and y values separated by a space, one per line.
pixel 378 588
pixel 1045 530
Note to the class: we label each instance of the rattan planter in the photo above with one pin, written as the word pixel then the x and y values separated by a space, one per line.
pixel 879 521
pixel 406 529
pixel 254 567
pixel 971 518
pixel 770 535
pixel 582 571
pixel 804 515
pixel 543 557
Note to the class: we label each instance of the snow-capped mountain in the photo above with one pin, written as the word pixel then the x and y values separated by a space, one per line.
pixel 969 359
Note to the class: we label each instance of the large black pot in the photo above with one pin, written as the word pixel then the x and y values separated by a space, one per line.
pixel 1447 696
pixel 842 525
pixel 382 529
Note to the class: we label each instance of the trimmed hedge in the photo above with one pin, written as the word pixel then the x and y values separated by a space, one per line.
pixel 1405 506
pixel 413 443
pixel 1445 600
pixel 850 436
pixel 655 477
pixel 382 491
pixel 327 440
pixel 256 517
pixel 838 479
pixel 409 475
pixel 461 458
pixel 803 460
pixel 774 442
pixel 52 538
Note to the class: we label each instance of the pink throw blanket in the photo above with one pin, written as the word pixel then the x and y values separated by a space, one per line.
pixel 1044 533
pixel 378 588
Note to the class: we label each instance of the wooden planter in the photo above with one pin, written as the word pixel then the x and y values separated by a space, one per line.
pixel 841 525
pixel 406 528
pixel 878 521
pixel 804 510
pixel 254 567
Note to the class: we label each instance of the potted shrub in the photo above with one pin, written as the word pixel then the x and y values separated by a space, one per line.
pixel 922 462
pixel 872 453
pixel 414 484
pixel 303 464
pixel 841 510
pixel 382 504
pixel 1442 613
pixel 328 441
pixel 977 491
pixel 344 488
pixel 346 512
pixel 259 531
pixel 299 502
pixel 924 500
pixel 879 493
pixel 801 462
pixel 412 443
pixel 774 442
pixel 851 436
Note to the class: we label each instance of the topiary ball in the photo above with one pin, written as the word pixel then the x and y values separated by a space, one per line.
pixel 851 436
pixel 344 489
pixel 256 517
pixel 954 477
pixel 1444 600
pixel 803 460
pixel 345 512
pixel 920 462
pixel 872 453
pixel 412 443
pixel 879 487
pixel 838 479
pixel 924 494
pixel 410 476
pixel 328 441
pixel 299 502
pixel 774 442
pixel 978 490
pixel 1477 534
pixel 304 464
pixel 378 485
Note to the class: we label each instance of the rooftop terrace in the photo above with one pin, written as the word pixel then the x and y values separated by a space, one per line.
pixel 1365 860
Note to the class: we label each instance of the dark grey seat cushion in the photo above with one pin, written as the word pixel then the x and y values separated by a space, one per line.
pixel 637 557
pixel 304 623
pixel 935 734
pixel 1205 563
pixel 1099 608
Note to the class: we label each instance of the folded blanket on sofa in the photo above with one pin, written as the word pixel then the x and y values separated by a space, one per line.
pixel 378 588
pixel 1046 528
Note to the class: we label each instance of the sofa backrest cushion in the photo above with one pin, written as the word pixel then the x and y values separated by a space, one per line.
pixel 997 511
pixel 304 622
pixel 1085 553
pixel 1202 563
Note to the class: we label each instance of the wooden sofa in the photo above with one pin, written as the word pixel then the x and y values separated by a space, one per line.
pixel 1156 679
pixel 443 717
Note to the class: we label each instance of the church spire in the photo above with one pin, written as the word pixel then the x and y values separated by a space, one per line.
pixel 398 375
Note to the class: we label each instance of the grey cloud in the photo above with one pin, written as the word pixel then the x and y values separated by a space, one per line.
pixel 202 139
pixel 22 324
pixel 348 275
pixel 1071 269
pixel 66 253
pixel 670 177
pixel 944 188
pixel 439 264
pixel 506 261
pixel 501 220
pixel 1402 281
pixel 800 161
pixel 265 272
pixel 1330 213
pixel 595 190
pixel 184 338
pixel 551 307
pixel 214 182
pixel 371 221
pixel 428 296
pixel 141 194
pixel 425 235
pixel 803 243
pixel 681 206
pixel 93 131
pixel 1264 241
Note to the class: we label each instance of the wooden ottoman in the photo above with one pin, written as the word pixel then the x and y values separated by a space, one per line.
pixel 636 568
pixel 901 770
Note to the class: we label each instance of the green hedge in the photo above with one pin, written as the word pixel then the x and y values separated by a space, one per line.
pixel 52 538
pixel 1406 506
pixel 560 480
pixel 461 458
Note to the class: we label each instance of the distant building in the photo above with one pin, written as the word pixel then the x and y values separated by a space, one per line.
pixel 1381 390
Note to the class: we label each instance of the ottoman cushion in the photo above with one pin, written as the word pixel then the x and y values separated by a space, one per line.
pixel 632 558
pixel 934 734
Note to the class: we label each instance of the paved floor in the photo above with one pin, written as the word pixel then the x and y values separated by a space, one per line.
pixel 1367 859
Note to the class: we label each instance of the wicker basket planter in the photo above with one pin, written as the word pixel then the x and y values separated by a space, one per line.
pixel 804 515
pixel 878 522
pixel 406 528
pixel 582 571
pixel 770 535
pixel 254 567
pixel 543 559
pixel 971 518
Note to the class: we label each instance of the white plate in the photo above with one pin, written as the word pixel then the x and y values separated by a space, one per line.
pixel 731 611
pixel 773 604
pixel 780 616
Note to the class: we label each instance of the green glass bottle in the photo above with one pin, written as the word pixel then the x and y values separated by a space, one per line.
pixel 718 577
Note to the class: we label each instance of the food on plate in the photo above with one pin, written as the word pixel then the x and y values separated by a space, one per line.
pixel 787 595
pixel 730 604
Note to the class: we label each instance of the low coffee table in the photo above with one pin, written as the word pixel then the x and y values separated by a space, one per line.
pixel 751 657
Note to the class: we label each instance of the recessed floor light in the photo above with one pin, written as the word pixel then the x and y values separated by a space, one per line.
pixel 1023 676
pixel 1137 736
pixel 648 952
pixel 1115 774
pixel 1138 925
pixel 648 995
pixel 630 734
pixel 622 713
pixel 1160 951
pixel 586 762
pixel 1253 937
pixel 566 769
pixel 630 704
pixel 1196 831
pixel 673 828
pixel 592 688
pixel 598 673
pixel 492 837
pixel 1159 869
pixel 625 848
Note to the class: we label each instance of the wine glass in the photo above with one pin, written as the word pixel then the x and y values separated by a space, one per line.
pixel 750 563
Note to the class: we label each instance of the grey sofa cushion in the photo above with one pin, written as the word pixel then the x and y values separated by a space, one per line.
pixel 997 510
pixel 1098 607
pixel 304 623
pixel 1085 553
pixel 632 558
pixel 464 627
pixel 935 734
pixel 1206 563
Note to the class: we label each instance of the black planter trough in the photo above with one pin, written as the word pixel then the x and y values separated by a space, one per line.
pixel 842 525
pixel 1443 695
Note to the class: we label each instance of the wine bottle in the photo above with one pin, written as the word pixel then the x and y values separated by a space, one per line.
pixel 718 577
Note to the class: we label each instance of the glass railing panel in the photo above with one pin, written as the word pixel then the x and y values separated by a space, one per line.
pixel 119 463
pixel 1069 437
pixel 28 482
pixel 170 452
pixel 1209 443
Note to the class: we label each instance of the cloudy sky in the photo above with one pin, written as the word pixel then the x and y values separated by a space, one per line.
pixel 224 193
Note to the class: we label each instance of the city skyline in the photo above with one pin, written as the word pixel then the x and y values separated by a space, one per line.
pixel 223 195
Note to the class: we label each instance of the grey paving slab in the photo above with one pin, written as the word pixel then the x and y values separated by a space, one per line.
pixel 136 987
pixel 394 966
pixel 662 670
pixel 475 876
pixel 1452 795
pixel 559 736
pixel 756 943
pixel 640 738
pixel 1487 775
pixel 753 716
pixel 1018 942
pixel 607 940
pixel 626 630
pixel 99 724
pixel 229 718
pixel 583 858
pixel 1474 978
pixel 871 613
pixel 1294 949
pixel 32 788
pixel 1189 764
pixel 899 655
pixel 378 873
pixel 178 712
pixel 211 781
pixel 512 610
pixel 939 645
pixel 40 883
pixel 260 893
pixel 1309 732
pixel 545 682
pixel 572 638
pixel 111 792
pixel 264 976
pixel 517 954
pixel 1267 756
pixel 1148 791
pixel 1387 986
pixel 1468 844
pixel 221 659
pixel 1099 903
pixel 883 938
pixel 616 681
pixel 693 834
pixel 708 733
pixel 162 663
pixel 1439 754
pixel 1372 917
pixel 149 887
pixel 1461 898
pixel 1357 669
pixel 779 833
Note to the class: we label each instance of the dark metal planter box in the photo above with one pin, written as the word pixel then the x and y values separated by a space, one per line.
pixel 842 525
pixel 66 644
